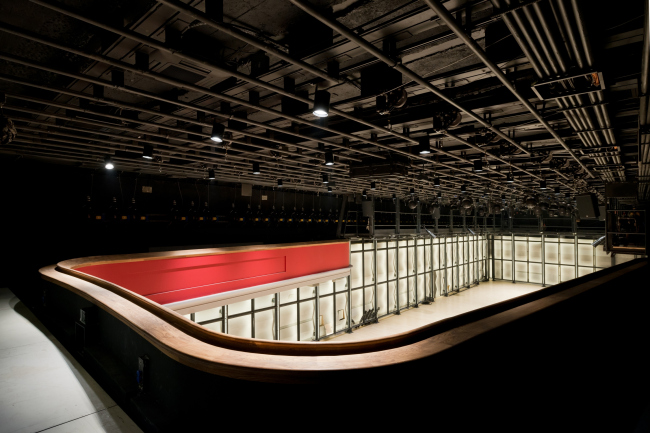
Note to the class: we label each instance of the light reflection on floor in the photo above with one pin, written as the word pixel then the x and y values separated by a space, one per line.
pixel 486 293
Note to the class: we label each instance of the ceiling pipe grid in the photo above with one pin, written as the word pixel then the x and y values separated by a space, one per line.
pixel 442 12
pixel 151 42
pixel 174 149
pixel 160 78
pixel 124 105
pixel 238 174
pixel 189 156
pixel 28 63
pixel 556 64
pixel 397 66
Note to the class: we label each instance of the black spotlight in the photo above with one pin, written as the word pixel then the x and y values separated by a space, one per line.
pixel 436 182
pixel 364 193
pixel 329 158
pixel 329 189
pixel 463 188
pixel 542 184
pixel 439 194
pixel 321 103
pixel 256 168
pixel 325 179
pixel 147 152
pixel 394 198
pixel 108 163
pixel 412 191
pixel 279 183
pixel 373 186
pixel 211 174
pixel 424 145
pixel 218 129
pixel 557 190
pixel 478 166
pixel 509 178
pixel 567 195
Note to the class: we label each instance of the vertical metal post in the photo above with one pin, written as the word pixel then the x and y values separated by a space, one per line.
pixel 408 282
pixel 363 277
pixel 512 256
pixel 349 312
pixel 457 266
pixel 543 261
pixel 493 259
pixel 415 270
pixel 317 306
pixel 527 259
pixel 297 312
pixel 374 277
pixel 575 254
pixel 334 318
pixel 445 271
pixel 432 282
pixel 224 321
pixel 276 327
pixel 417 219
pixel 252 318
pixel 397 275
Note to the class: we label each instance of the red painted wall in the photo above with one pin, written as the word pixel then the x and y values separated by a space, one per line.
pixel 177 279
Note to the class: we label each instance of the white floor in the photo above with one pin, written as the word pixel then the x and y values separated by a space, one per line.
pixel 486 293
pixel 42 387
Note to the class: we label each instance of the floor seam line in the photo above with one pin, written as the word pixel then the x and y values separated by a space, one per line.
pixel 74 419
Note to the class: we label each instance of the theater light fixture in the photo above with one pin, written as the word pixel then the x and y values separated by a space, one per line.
pixel 256 168
pixel 108 163
pixel 279 183
pixel 329 189
pixel 542 184
pixel 325 179
pixel 218 130
pixel 211 174
pixel 478 166
pixel 373 186
pixel 329 158
pixel 509 178
pixel 321 103
pixel 557 190
pixel 147 152
pixel 436 182
pixel 463 188
pixel 364 193
pixel 424 145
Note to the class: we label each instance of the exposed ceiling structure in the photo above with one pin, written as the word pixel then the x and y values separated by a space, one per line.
pixel 505 95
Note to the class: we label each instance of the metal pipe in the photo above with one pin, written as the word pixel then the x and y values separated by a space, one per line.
pixel 120 104
pixel 397 66
pixel 160 46
pixel 172 82
pixel 451 23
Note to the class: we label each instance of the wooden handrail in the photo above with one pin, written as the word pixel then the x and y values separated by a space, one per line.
pixel 299 367
pixel 304 349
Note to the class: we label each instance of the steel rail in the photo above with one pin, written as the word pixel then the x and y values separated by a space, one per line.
pixel 471 43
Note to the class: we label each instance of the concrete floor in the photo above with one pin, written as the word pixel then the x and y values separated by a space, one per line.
pixel 42 387
pixel 486 293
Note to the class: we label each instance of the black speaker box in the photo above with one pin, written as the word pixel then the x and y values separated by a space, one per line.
pixel 587 206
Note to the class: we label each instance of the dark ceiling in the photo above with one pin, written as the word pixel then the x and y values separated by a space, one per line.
pixel 86 79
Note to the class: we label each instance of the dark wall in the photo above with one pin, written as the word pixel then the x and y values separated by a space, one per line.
pixel 45 218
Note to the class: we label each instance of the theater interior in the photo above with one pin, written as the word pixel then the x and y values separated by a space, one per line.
pixel 235 214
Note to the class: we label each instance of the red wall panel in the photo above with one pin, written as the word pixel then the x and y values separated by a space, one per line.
pixel 177 279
